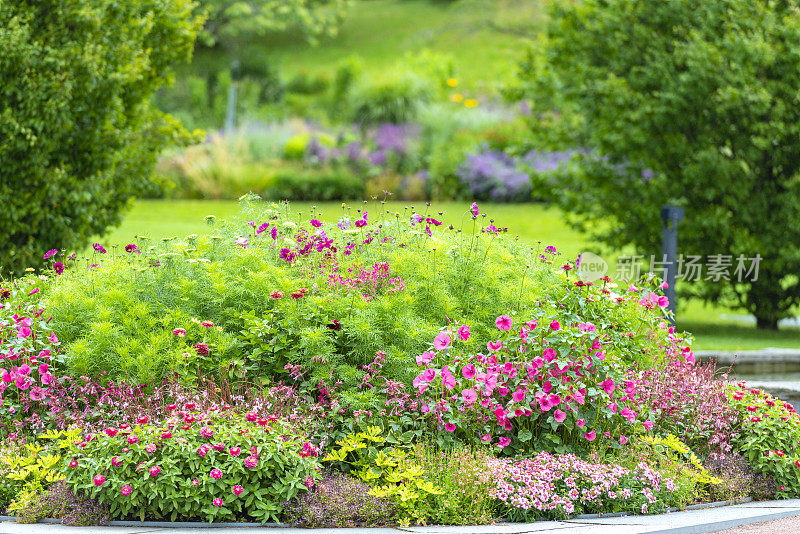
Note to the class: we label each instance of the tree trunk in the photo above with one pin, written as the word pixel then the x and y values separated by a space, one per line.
pixel 766 323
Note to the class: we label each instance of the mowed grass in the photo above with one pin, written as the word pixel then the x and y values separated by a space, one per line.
pixel 486 38
pixel 713 327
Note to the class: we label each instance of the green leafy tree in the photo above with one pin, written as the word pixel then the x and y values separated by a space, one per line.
pixel 78 136
pixel 232 20
pixel 686 103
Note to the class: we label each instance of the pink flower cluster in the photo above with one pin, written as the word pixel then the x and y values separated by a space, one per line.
pixel 562 485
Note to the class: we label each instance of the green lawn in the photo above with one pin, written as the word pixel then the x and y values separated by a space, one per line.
pixel 485 37
pixel 532 222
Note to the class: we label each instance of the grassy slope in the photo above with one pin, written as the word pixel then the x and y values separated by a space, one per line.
pixel 485 37
pixel 532 222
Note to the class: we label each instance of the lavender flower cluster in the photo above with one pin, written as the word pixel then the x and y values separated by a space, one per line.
pixel 60 502
pixel 339 501
pixel 494 175
pixel 739 478
pixel 386 141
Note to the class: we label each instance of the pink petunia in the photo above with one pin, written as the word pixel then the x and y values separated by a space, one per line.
pixel 554 325
pixel 22 382
pixel 559 416
pixel 36 393
pixel 608 385
pixel 590 436
pixel 24 369
pixel 503 442
pixel 504 322
pixel 450 427
pixel 518 395
pixel 43 368
pixel 486 438
pixel 24 332
pixel 581 423
pixel 623 440
pixel 549 354
pixel 463 332
pixel 628 414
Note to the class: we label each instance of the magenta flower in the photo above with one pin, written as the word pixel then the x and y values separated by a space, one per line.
pixel 648 425
pixel 581 423
pixel 133 438
pixel 623 440
pixel 450 427
pixel 235 451
pixel 50 253
pixel 155 470
pixel 531 325
pixel 116 462
pixel 549 354
pixel 590 436
pixel 442 341
pixel 99 248
pixel 554 325
pixel 36 393
pixel 237 489
pixel 126 490
pixel 206 432
pixel 217 502
pixel 504 322
pixel 448 379
pixel 202 450
pixel 73 463
pixel 251 462
pixel 486 438
pixel 503 442
pixel 608 386
pixel 628 414
pixel 180 332
pixel 469 396
pixel 24 369
pixel 518 395
pixel 131 248
pixel 425 358
pixel 43 368
pixel 315 223
pixel 474 210
pixel 22 383
pixel 559 416
pixel 216 474
pixel 33 291
pixel 202 349
pixel 99 480
pixel 463 332
pixel 468 371
pixel 195 482
pixel 494 345
pixel 58 267
pixel 24 332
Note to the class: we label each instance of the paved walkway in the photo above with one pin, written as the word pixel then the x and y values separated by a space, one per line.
pixel 686 522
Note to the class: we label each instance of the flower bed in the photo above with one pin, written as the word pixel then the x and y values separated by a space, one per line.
pixel 377 369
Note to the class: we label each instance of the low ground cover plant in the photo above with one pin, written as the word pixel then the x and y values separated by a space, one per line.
pixel 383 369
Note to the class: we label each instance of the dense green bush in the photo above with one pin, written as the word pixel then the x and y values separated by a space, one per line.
pixel 684 103
pixel 78 135
pixel 325 183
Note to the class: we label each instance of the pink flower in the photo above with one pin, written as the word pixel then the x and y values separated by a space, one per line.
pixel 494 345
pixel 450 427
pixel 46 378
pixel 150 448
pixel 448 379
pixel 202 450
pixel 24 369
pixel 33 292
pixel 251 462
pixel 554 325
pixel 503 442
pixel 206 432
pixel 73 463
pixel 648 425
pixel 195 482
pixel 469 396
pixel 474 210
pixel 237 489
pixel 486 438
pixel 590 436
pixel 180 332
pixel 628 414
pixel 531 325
pixel 216 474
pixel 463 332
pixel 133 438
pixel 424 378
pixel 217 502
pixel 155 470
pixel 549 354
pixel 518 396
pixel 22 383
pixel 442 341
pixel 504 322
pixel 581 422
pixel 116 462
pixel 235 451
pixel 559 416
pixel 623 440
pixel 468 371
pixel 425 358
pixel 126 490
pixel 99 480
pixel 36 393
pixel 608 386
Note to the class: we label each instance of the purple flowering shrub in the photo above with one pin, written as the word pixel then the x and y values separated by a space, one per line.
pixel 216 465
pixel 559 486
pixel 60 502
pixel 494 175
pixel 337 500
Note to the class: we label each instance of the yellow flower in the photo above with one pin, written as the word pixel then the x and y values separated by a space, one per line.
pixel 456 97
pixel 470 102
pixel 452 82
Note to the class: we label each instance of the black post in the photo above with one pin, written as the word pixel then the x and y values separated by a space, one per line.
pixel 671 215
